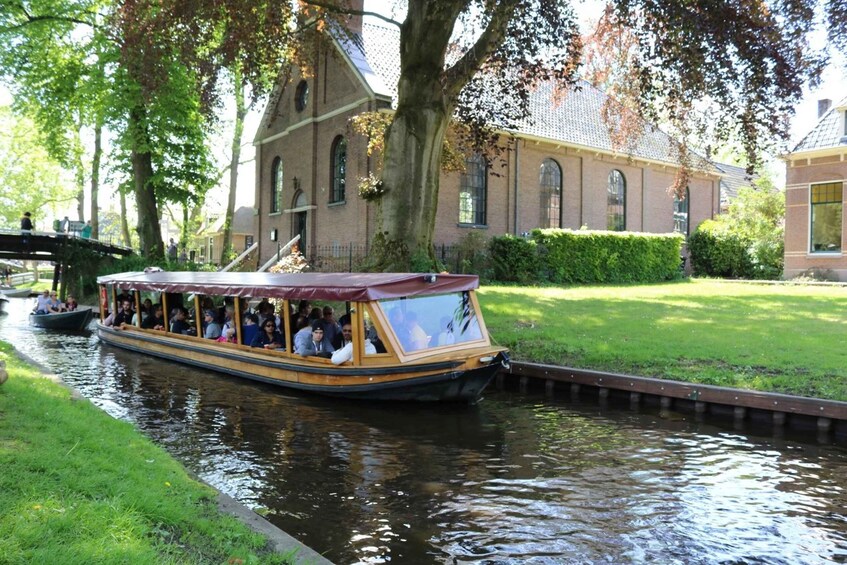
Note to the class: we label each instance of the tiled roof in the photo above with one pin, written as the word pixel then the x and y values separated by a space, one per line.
pixel 574 119
pixel 242 222
pixel 826 133
pixel 733 178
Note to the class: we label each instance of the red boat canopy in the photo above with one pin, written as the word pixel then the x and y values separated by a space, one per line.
pixel 311 286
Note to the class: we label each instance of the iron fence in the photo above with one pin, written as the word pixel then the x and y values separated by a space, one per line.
pixel 352 258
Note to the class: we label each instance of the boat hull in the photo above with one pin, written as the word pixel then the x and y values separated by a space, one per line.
pixel 428 382
pixel 76 320
pixel 16 292
pixel 3 303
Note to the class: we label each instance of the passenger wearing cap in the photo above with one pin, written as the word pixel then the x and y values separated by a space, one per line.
pixel 316 345
pixel 213 328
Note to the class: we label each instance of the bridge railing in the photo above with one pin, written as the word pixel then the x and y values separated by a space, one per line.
pixel 70 236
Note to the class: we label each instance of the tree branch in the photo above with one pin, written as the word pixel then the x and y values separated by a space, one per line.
pixel 463 69
pixel 32 19
pixel 330 7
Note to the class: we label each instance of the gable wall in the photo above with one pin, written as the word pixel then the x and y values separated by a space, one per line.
pixel 799 176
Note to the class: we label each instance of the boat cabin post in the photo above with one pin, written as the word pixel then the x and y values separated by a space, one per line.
pixel 137 308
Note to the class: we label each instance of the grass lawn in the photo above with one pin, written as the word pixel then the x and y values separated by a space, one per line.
pixel 80 487
pixel 789 339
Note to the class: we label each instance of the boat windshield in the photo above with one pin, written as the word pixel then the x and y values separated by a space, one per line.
pixel 425 322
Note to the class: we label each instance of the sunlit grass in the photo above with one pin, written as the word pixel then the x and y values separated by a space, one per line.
pixel 777 338
pixel 80 487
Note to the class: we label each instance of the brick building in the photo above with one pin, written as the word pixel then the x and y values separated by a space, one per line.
pixel 561 171
pixel 815 227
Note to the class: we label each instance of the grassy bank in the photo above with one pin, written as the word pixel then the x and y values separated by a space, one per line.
pixel 80 487
pixel 788 339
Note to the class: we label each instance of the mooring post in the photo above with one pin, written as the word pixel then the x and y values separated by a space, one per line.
pixel 700 407
pixel 574 389
pixel 779 418
pixel 523 384
pixel 634 399
pixel 550 387
pixel 824 424
pixel 739 413
pixel 603 393
pixel 666 402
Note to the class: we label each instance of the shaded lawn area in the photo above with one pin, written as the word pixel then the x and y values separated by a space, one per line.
pixel 80 487
pixel 778 338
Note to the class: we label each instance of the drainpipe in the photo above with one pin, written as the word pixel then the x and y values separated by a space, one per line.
pixel 517 174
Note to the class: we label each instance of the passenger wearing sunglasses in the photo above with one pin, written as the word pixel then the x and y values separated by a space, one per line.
pixel 268 336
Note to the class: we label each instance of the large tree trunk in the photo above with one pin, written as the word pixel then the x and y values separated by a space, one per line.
pixel 227 252
pixel 149 229
pixel 95 179
pixel 414 141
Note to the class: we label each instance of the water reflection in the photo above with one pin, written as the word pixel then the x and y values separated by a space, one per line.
pixel 514 479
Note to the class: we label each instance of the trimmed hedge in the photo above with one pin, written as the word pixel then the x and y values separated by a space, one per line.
pixel 514 259
pixel 717 253
pixel 608 257
pixel 568 256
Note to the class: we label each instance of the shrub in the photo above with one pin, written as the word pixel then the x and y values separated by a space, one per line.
pixel 715 252
pixel 586 256
pixel 514 259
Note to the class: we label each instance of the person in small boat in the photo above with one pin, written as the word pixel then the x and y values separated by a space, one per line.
pixel 302 334
pixel 179 325
pixel 249 328
pixel 400 327
pixel 345 352
pixel 42 302
pixel 316 345
pixel 315 315
pixel 268 336
pixel 125 315
pixel 228 331
pixel 156 320
pixel 70 304
pixel 213 328
pixel 146 308
pixel 54 305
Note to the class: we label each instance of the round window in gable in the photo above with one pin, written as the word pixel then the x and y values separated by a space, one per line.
pixel 301 97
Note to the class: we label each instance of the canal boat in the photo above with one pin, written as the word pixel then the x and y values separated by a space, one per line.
pixel 417 337
pixel 11 292
pixel 76 320
pixel 3 303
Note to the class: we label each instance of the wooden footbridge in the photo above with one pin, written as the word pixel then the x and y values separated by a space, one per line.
pixel 55 247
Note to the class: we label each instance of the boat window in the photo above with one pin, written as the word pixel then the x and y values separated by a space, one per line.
pixel 371 333
pixel 425 322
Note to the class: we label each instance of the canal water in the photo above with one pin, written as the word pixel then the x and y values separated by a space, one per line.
pixel 515 479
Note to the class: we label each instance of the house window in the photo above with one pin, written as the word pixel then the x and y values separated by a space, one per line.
pixel 827 211
pixel 550 183
pixel 616 202
pixel 473 191
pixel 680 212
pixel 301 96
pixel 338 174
pixel 276 185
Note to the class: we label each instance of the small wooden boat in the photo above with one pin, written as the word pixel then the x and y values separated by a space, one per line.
pixel 433 344
pixel 76 320
pixel 11 292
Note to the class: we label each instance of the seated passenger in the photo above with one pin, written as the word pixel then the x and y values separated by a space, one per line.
pixel 213 328
pixel 331 328
pixel 446 336
pixel 54 305
pixel 179 325
pixel 125 314
pixel 156 320
pixel 249 328
pixel 70 304
pixel 302 335
pixel 345 352
pixel 417 336
pixel 316 346
pixel 41 303
pixel 268 336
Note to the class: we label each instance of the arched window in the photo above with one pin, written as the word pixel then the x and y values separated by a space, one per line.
pixel 616 202
pixel 473 191
pixel 276 185
pixel 680 212
pixel 550 184
pixel 338 174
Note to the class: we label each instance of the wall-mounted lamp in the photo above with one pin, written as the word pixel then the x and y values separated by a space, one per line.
pixel 273 234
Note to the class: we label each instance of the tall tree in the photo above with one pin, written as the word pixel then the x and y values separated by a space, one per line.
pixel 30 179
